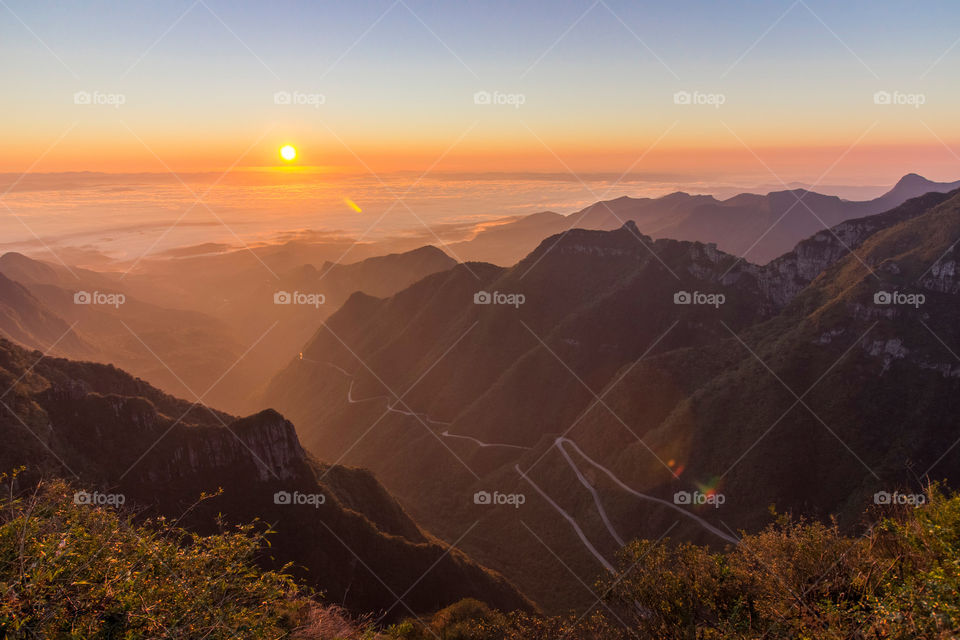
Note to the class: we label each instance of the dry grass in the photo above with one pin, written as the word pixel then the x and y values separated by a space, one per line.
pixel 331 622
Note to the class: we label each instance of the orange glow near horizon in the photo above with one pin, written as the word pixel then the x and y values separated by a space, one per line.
pixel 874 160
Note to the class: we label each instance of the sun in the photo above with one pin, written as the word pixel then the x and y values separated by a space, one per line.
pixel 288 153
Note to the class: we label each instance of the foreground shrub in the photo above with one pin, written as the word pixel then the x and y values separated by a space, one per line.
pixel 899 580
pixel 795 579
pixel 78 571
pixel 472 620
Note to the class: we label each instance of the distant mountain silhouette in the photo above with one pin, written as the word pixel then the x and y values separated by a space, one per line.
pixel 757 227
pixel 27 320
pixel 182 351
pixel 912 186
pixel 443 397
pixel 187 328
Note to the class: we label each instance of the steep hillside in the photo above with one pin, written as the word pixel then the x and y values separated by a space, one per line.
pixel 345 534
pixel 406 384
pixel 877 384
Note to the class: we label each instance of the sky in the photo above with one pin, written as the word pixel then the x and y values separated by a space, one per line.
pixel 781 88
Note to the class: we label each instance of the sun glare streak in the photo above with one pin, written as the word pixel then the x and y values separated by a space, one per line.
pixel 353 205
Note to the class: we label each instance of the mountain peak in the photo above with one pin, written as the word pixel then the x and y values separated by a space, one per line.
pixel 912 185
pixel 19 259
pixel 26 270
pixel 427 250
pixel 912 179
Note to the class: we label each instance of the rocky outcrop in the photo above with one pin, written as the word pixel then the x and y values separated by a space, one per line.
pixel 782 279
pixel 264 445
pixel 793 271
pixel 944 276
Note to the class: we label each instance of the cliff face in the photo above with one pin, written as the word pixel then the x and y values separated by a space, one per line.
pixel 793 271
pixel 113 433
pixel 943 277
pixel 264 444
pixel 781 280
pixel 105 424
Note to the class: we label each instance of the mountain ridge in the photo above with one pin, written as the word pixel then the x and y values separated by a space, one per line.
pixel 759 227
pixel 116 433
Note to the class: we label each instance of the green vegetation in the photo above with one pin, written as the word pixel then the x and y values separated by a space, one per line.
pixel 803 580
pixel 900 580
pixel 77 571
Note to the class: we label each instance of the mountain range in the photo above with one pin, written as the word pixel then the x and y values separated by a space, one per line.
pixel 756 227
pixel 192 327
pixel 624 370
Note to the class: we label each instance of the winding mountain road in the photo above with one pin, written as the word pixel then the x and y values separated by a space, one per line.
pixel 573 523
pixel 559 443
pixel 688 514
pixel 447 434
pixel 596 497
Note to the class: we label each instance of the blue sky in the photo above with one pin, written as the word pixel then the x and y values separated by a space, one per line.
pixel 396 75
